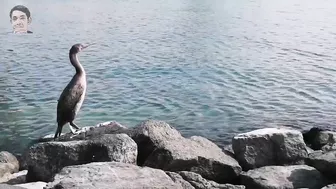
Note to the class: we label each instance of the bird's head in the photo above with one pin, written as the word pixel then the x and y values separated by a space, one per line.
pixel 76 48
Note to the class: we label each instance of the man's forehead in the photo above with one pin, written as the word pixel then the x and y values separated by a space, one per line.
pixel 18 13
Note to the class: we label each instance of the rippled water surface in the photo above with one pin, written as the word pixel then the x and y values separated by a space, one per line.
pixel 208 67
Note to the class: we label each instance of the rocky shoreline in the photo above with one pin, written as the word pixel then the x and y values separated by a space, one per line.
pixel 154 154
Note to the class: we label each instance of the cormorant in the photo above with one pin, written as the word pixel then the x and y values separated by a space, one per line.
pixel 73 95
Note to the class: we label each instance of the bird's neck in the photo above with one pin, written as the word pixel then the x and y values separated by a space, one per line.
pixel 75 62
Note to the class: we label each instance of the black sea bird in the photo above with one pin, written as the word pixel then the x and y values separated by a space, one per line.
pixel 73 95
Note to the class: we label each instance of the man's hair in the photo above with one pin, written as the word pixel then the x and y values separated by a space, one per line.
pixel 20 8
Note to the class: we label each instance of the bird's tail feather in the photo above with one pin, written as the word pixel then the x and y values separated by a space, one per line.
pixel 58 130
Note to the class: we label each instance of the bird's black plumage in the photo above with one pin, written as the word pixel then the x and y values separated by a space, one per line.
pixel 73 94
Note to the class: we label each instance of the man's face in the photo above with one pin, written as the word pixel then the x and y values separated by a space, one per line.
pixel 20 21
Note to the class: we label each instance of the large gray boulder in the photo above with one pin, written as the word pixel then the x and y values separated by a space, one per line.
pixel 107 175
pixel 279 177
pixel 269 146
pixel 47 158
pixel 163 147
pixel 84 133
pixel 325 162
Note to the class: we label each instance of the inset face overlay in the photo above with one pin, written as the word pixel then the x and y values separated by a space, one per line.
pixel 20 18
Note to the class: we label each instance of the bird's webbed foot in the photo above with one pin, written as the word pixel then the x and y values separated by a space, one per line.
pixel 74 128
pixel 74 131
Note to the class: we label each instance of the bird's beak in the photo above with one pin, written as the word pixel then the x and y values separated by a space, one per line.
pixel 88 45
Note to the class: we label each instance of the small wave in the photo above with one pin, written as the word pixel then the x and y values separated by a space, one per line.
pixel 325 68
pixel 305 53
pixel 305 94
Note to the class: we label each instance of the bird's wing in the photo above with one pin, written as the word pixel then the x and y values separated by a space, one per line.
pixel 68 100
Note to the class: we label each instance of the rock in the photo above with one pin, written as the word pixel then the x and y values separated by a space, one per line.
pixel 33 185
pixel 116 175
pixel 198 182
pixel 310 135
pixel 163 147
pixel 43 164
pixel 90 132
pixel 7 186
pixel 329 147
pixel 269 146
pixel 120 147
pixel 324 138
pixel 309 150
pixel 191 180
pixel 279 177
pixel 15 178
pixel 179 180
pixel 85 133
pixel 8 165
pixel 316 138
pixel 331 186
pixel 6 157
pixel 151 133
pixel 22 162
pixel 325 162
pixel 6 170
pixel 227 149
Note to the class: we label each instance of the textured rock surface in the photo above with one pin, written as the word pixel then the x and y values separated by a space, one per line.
pixel 227 149
pixel 15 178
pixel 7 186
pixel 43 164
pixel 331 186
pixel 316 138
pixel 6 169
pixel 269 146
pixel 85 133
pixel 329 147
pixel 90 132
pixel 161 146
pixel 309 137
pixel 22 161
pixel 325 138
pixel 107 175
pixel 178 179
pixel 33 185
pixel 198 182
pixel 309 150
pixel 325 162
pixel 279 177
pixel 150 134
pixel 6 157
pixel 8 165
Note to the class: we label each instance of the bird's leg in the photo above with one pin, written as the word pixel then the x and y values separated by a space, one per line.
pixel 72 130
pixel 72 124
